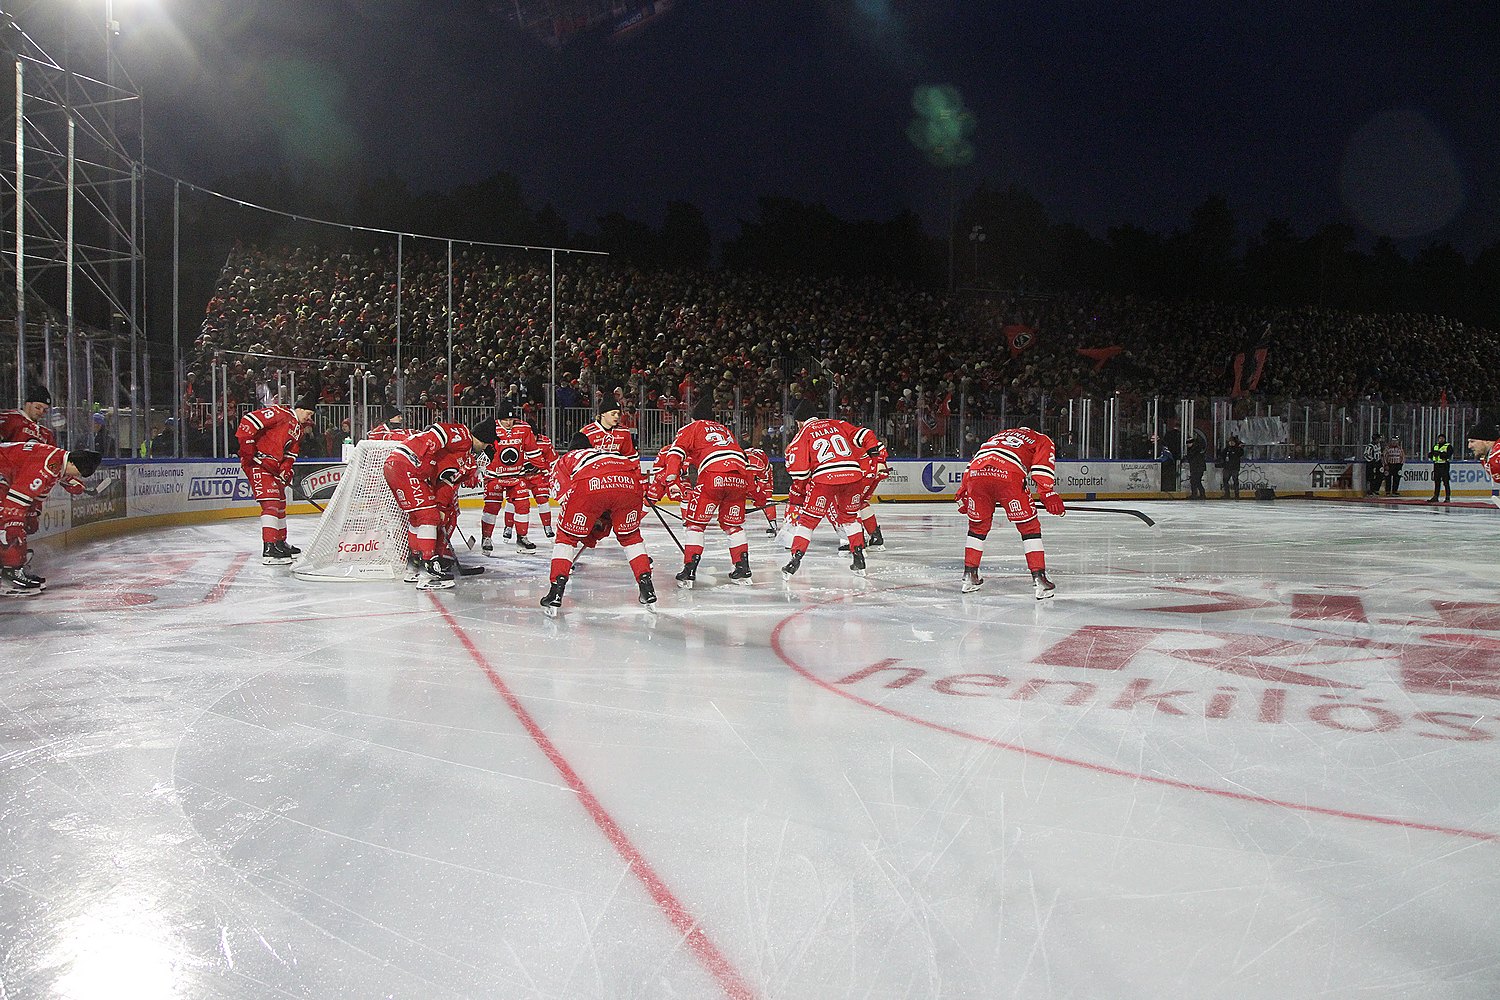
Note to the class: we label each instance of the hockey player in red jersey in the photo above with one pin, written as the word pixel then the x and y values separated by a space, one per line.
pixel 879 470
pixel 540 484
pixel 416 471
pixel 758 465
pixel 605 434
pixel 828 474
pixel 1484 444
pixel 25 424
pixel 391 428
pixel 594 488
pixel 997 478
pixel 512 462
pixel 710 448
pixel 456 472
pixel 28 471
pixel 269 441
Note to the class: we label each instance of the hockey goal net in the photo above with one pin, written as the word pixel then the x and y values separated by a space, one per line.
pixel 362 533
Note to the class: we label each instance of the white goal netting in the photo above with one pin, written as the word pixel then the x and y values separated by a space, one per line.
pixel 362 533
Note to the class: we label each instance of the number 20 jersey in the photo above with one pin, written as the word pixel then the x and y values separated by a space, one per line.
pixel 827 451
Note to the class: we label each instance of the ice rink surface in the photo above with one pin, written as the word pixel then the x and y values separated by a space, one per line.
pixel 1248 753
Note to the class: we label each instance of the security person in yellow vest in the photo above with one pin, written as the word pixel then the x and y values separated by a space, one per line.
pixel 1440 455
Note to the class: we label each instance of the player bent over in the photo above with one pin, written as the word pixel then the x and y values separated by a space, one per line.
pixel 415 471
pixel 828 481
pixel 28 471
pixel 997 478
pixel 513 461
pixel 598 492
pixel 1484 443
pixel 455 473
pixel 269 441
pixel 722 482
pixel 758 465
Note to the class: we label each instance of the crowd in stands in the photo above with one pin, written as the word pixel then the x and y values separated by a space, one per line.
pixel 655 338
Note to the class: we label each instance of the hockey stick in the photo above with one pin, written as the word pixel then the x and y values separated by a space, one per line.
pixel 307 499
pixel 664 524
pixel 1114 510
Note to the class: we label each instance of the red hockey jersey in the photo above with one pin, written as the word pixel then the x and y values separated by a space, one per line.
pixel 1492 462
pixel 514 449
pixel 269 437
pixel 549 453
pixel 706 445
pixel 432 450
pixel 615 442
pixel 385 432
pixel 826 451
pixel 28 471
pixel 594 470
pixel 1021 452
pixel 16 426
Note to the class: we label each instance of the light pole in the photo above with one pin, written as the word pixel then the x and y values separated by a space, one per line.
pixel 976 237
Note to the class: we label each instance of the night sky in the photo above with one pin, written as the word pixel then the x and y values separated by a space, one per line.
pixel 1379 114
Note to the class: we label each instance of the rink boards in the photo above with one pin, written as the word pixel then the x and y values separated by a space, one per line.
pixel 152 493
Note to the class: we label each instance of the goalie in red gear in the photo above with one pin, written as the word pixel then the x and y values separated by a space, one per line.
pixel 828 481
pixel 416 471
pixel 710 448
pixel 540 484
pixel 512 463
pixel 997 478
pixel 598 492
pixel 28 471
pixel 762 485
pixel 269 441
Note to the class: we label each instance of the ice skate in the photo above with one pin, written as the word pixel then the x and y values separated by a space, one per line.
pixel 434 576
pixel 553 601
pixel 486 546
pixel 39 582
pixel 792 565
pixel 1044 586
pixel 291 549
pixel 689 573
pixel 271 555
pixel 857 561
pixel 508 533
pixel 648 589
pixel 524 544
pixel 413 567
pixel 877 541
pixel 741 572
pixel 547 530
pixel 972 580
pixel 14 584
pixel 772 529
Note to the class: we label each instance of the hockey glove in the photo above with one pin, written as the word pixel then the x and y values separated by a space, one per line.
pixel 33 521
pixel 74 487
pixel 1053 503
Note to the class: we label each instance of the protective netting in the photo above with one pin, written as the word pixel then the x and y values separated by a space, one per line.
pixel 362 533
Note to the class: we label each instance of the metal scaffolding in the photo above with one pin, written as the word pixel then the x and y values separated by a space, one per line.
pixel 74 224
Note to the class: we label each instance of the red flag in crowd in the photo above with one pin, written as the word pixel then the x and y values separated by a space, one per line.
pixel 1100 355
pixel 1018 337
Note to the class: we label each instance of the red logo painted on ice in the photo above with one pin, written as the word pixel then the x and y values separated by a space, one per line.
pixel 1253 693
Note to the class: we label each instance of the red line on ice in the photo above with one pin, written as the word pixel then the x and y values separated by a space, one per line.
pixel 1101 768
pixel 707 954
